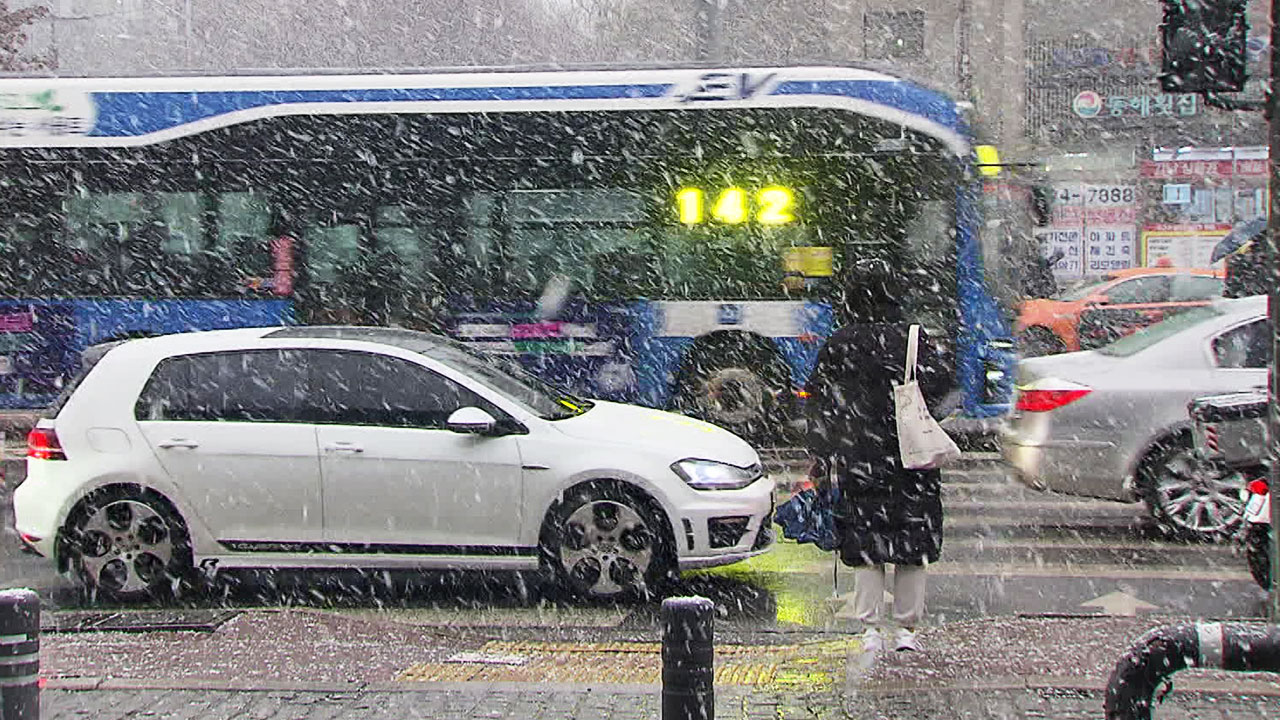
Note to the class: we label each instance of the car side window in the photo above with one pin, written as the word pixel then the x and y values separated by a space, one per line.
pixel 1187 288
pixel 1247 346
pixel 1148 289
pixel 359 388
pixel 239 386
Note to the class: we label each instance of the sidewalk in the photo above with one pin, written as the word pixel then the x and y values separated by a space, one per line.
pixel 305 664
pixel 475 702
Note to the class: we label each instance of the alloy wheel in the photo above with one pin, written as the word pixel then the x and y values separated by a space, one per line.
pixel 1195 497
pixel 125 547
pixel 607 548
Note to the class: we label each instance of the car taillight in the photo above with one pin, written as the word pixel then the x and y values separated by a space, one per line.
pixel 1257 487
pixel 1046 395
pixel 42 444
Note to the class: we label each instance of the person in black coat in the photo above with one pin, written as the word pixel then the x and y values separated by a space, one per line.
pixel 886 514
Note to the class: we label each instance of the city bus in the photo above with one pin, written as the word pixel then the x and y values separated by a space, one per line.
pixel 676 238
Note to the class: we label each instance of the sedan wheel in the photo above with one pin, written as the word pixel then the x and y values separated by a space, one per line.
pixel 1193 498
pixel 604 544
pixel 128 546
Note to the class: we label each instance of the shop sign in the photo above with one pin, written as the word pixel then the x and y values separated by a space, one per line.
pixel 1089 104
pixel 1109 248
pixel 1177 194
pixel 1094 229
pixel 1199 169
pixel 1190 245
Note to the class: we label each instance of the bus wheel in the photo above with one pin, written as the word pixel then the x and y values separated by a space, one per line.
pixel 739 394
pixel 1037 341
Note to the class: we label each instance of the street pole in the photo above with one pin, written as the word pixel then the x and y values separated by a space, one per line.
pixel 707 18
pixel 1273 307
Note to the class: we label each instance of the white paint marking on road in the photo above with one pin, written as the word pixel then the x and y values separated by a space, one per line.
pixel 999 543
pixel 1105 572
pixel 485 658
pixel 1119 604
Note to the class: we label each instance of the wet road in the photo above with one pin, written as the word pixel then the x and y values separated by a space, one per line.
pixel 1008 551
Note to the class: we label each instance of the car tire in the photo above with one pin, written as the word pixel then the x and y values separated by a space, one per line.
pixel 605 541
pixel 127 544
pixel 1189 498
pixel 737 391
pixel 1257 551
pixel 1037 341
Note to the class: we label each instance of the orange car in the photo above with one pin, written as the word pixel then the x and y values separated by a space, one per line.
pixel 1093 315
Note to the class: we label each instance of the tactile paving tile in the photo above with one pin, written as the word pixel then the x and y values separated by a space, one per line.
pixel 626 663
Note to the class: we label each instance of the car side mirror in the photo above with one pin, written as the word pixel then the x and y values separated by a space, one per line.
pixel 472 421
pixel 1097 300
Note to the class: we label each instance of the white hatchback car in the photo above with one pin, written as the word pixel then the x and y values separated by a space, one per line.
pixel 339 447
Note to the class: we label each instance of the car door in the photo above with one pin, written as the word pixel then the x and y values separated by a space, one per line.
pixel 1129 306
pixel 395 477
pixel 225 428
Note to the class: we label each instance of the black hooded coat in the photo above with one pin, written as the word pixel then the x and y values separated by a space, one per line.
pixel 887 514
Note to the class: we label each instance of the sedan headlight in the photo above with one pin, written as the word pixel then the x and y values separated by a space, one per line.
pixel 712 475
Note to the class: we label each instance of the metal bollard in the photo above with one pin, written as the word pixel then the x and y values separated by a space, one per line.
pixel 19 655
pixel 1159 654
pixel 688 649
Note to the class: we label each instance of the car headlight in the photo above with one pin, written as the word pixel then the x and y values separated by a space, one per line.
pixel 712 475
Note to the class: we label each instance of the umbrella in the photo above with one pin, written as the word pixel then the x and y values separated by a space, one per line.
pixel 809 517
pixel 1238 237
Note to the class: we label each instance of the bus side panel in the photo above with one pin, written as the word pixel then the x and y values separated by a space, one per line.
pixel 37 348
pixel 104 320
pixel 801 353
pixel 587 348
pixel 984 361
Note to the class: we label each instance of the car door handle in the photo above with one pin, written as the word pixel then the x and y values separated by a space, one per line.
pixel 179 443
pixel 343 448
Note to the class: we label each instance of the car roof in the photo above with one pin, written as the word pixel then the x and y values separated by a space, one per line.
pixel 1138 271
pixel 1235 308
pixel 435 346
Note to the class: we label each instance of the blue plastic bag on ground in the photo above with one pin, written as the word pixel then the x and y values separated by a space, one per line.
pixel 809 517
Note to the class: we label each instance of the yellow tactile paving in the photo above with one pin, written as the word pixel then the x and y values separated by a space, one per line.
pixel 621 662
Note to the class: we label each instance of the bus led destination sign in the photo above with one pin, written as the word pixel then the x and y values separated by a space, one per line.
pixel 772 205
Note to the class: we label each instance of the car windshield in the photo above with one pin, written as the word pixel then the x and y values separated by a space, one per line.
pixel 1082 292
pixel 1152 334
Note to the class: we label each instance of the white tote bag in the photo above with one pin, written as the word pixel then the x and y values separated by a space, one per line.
pixel 921 440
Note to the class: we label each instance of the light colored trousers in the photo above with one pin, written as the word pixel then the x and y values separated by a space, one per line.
pixel 908 594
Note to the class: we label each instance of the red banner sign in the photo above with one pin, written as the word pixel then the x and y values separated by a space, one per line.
pixel 1193 169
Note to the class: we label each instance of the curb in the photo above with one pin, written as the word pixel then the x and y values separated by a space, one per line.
pixel 1207 686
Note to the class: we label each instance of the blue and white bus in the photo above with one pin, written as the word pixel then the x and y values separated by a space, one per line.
pixel 667 237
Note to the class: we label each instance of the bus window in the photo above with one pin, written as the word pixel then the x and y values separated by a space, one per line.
pixel 180 215
pixel 331 252
pixel 241 246
pixel 401 243
pixel 561 232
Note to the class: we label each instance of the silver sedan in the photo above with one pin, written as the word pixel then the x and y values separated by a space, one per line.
pixel 1112 422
